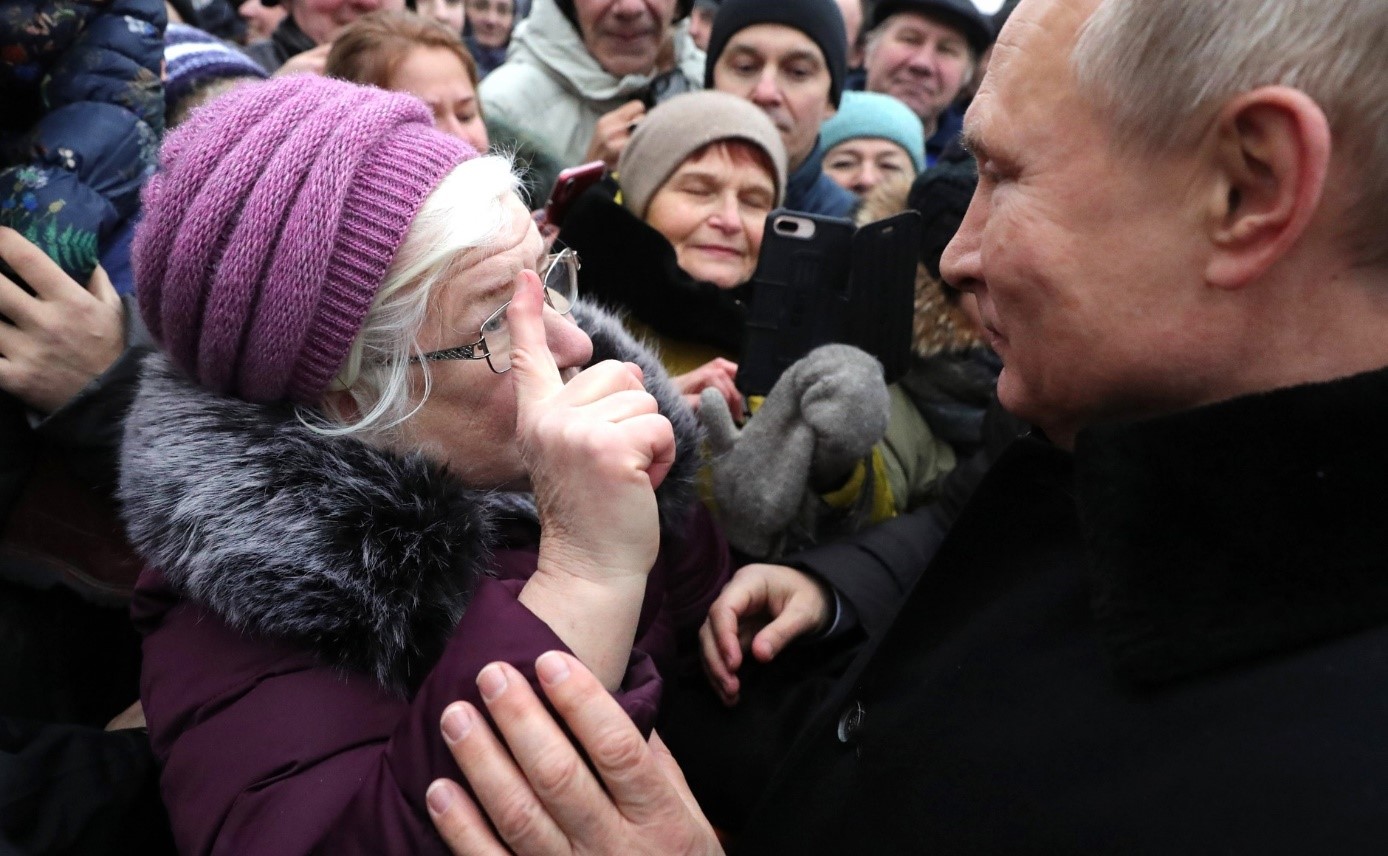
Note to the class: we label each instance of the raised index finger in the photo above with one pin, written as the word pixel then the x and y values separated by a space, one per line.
pixel 536 373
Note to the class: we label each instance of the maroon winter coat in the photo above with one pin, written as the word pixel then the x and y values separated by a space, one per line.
pixel 312 604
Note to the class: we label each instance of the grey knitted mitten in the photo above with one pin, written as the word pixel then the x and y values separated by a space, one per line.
pixel 823 416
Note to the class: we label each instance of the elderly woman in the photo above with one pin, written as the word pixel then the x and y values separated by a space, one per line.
pixel 697 180
pixel 365 463
pixel 872 139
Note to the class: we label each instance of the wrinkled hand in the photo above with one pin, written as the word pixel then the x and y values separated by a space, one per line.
pixel 541 796
pixel 613 131
pixel 312 61
pixel 61 337
pixel 717 374
pixel 762 609
pixel 596 448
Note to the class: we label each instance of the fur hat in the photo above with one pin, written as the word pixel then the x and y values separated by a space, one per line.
pixel 193 57
pixel 960 14
pixel 267 233
pixel 681 126
pixel 872 114
pixel 821 20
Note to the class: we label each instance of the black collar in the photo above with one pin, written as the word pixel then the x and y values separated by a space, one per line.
pixel 1238 530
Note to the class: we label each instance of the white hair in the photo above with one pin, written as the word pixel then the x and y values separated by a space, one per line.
pixel 465 212
pixel 1160 70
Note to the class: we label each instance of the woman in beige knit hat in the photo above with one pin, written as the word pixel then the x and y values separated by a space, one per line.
pixel 675 247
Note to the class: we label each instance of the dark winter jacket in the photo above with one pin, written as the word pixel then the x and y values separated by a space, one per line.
pixel 311 605
pixel 84 111
pixel 631 268
pixel 286 42
pixel 809 190
pixel 1174 641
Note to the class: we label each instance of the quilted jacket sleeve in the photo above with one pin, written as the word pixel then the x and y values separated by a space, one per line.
pixel 85 80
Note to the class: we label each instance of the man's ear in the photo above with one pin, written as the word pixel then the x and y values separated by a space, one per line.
pixel 1272 153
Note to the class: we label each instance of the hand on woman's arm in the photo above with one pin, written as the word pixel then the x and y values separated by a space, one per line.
pixel 595 449
pixel 540 795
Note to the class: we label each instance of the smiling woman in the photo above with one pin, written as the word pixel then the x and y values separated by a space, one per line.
pixel 697 180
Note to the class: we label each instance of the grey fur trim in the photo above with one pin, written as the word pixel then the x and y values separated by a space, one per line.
pixel 612 341
pixel 366 557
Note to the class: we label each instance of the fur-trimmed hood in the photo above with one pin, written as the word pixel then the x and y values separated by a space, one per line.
pixel 365 556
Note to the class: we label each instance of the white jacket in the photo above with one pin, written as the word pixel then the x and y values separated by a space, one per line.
pixel 551 89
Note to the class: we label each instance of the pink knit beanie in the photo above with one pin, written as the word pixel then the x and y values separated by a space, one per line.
pixel 271 225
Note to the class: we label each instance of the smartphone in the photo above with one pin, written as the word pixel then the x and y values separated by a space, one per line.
pixel 571 184
pixel 820 280
pixel 800 282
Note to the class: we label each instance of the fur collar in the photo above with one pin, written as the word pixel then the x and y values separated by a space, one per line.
pixel 365 556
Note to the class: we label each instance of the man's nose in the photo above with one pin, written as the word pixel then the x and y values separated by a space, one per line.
pixel 766 91
pixel 961 263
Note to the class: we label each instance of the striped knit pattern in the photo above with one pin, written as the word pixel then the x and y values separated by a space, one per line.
pixel 269 230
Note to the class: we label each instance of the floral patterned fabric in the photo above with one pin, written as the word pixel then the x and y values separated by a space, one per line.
pixel 83 80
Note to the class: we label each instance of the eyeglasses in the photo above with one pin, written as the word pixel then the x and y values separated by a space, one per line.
pixel 560 277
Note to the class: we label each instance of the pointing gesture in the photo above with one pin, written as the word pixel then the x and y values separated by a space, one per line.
pixel 596 448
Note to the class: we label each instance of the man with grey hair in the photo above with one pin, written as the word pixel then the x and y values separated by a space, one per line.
pixel 1163 627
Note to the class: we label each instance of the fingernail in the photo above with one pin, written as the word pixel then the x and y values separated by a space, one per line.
pixel 492 682
pixel 457 722
pixel 552 668
pixel 439 797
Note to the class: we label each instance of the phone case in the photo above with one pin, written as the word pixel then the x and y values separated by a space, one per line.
pixel 798 277
pixel 837 285
pixel 882 291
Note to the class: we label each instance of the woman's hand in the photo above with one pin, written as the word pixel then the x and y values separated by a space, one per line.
pixel 716 374
pixel 762 609
pixel 596 448
pixel 540 795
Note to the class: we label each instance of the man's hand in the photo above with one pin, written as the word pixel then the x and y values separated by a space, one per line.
pixel 57 340
pixel 541 796
pixel 716 374
pixel 596 448
pixel 612 132
pixel 762 609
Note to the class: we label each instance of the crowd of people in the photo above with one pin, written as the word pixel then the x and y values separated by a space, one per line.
pixel 365 491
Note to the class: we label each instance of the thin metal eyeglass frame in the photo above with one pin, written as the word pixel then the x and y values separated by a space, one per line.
pixel 478 350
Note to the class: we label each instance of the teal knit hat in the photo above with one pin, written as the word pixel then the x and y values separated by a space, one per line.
pixel 872 114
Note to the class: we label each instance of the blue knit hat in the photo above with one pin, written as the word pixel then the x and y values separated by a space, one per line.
pixel 193 57
pixel 872 114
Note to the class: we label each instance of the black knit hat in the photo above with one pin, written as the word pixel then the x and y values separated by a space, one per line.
pixel 941 194
pixel 960 14
pixel 567 7
pixel 821 20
